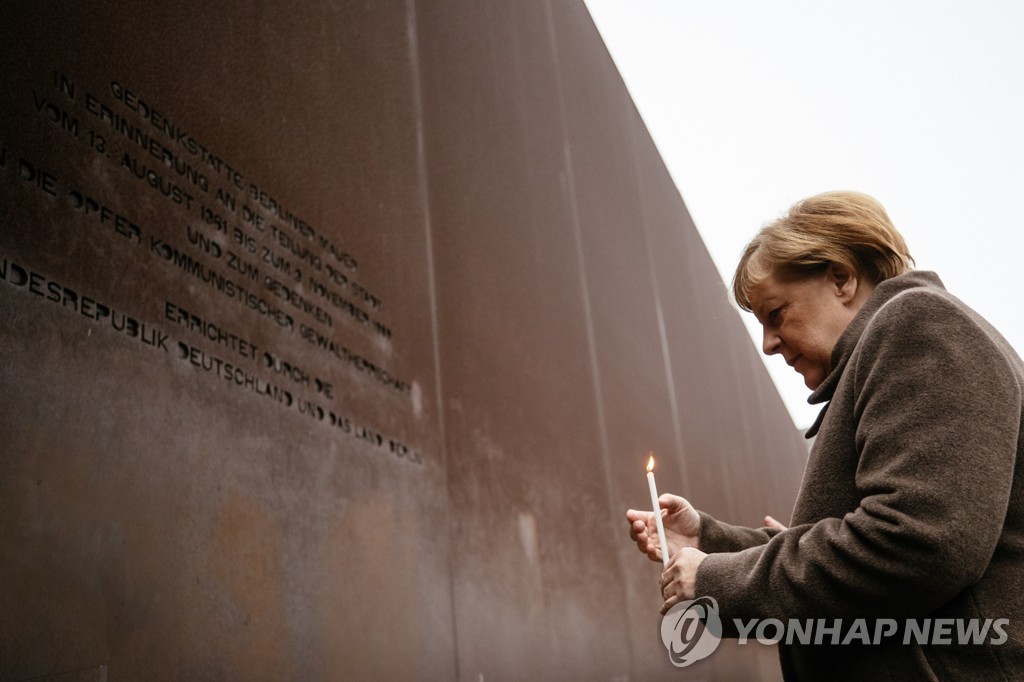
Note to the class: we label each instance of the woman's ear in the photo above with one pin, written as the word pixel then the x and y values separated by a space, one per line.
pixel 844 280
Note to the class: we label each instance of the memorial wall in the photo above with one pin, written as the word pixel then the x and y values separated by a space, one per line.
pixel 335 337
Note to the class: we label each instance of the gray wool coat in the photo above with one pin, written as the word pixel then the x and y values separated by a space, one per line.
pixel 911 506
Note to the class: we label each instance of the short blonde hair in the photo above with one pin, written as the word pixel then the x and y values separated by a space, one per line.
pixel 848 228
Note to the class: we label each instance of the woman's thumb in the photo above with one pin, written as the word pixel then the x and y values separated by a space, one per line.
pixel 671 503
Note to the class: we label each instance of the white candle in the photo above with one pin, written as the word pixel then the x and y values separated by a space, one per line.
pixel 657 511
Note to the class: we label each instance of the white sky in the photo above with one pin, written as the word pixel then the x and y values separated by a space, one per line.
pixel 757 104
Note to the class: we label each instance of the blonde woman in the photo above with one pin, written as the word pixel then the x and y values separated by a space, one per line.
pixel 912 502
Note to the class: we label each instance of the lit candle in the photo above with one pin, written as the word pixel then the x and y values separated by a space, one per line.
pixel 657 510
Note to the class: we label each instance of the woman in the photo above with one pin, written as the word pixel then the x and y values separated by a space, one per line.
pixel 912 502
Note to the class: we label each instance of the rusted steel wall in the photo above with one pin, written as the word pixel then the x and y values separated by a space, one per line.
pixel 334 339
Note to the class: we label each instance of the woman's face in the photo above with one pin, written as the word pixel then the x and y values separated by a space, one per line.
pixel 803 318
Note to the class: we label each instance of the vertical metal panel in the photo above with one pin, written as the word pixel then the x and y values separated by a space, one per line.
pixel 492 303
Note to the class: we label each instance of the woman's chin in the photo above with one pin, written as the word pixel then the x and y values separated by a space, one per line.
pixel 812 379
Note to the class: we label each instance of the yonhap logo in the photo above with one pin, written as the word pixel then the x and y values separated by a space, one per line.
pixel 691 630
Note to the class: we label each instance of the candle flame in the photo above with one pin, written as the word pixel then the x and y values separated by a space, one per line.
pixel 650 463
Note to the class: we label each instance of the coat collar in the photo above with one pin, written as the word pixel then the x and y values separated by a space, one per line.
pixel 883 293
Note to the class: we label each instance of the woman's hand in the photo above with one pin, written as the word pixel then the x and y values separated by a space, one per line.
pixel 681 521
pixel 679 580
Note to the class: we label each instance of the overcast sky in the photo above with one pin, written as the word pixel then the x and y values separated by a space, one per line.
pixel 755 105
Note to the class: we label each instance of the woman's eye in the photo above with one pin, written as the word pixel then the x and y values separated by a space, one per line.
pixel 775 315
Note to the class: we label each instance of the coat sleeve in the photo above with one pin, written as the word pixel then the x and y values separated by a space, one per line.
pixel 718 536
pixel 937 410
